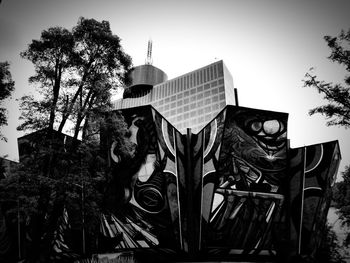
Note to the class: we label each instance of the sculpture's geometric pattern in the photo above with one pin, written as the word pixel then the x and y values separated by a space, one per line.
pixel 220 192
pixel 234 190
pixel 245 157
pixel 313 171
pixel 144 191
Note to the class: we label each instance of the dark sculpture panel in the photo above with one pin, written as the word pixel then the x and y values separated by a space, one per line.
pixel 244 176
pixel 233 189
pixel 147 184
pixel 312 170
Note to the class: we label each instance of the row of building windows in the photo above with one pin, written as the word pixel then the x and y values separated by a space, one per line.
pixel 186 97
pixel 188 81
pixel 195 123
pixel 202 105
pixel 193 117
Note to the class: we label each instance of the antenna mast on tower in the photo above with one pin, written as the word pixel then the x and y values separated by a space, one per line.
pixel 149 53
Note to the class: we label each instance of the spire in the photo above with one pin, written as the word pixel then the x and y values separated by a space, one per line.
pixel 149 53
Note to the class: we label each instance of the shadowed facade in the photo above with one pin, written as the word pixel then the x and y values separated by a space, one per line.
pixel 233 191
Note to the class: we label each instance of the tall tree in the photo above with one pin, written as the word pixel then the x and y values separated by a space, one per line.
pixel 337 109
pixel 52 58
pixel 7 85
pixel 341 198
pixel 101 65
pixel 76 71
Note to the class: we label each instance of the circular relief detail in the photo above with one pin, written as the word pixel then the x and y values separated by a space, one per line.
pixel 150 199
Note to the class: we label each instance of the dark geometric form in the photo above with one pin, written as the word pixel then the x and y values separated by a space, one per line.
pixel 312 171
pixel 217 194
pixel 234 191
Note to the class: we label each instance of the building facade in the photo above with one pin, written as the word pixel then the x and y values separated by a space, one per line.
pixel 188 101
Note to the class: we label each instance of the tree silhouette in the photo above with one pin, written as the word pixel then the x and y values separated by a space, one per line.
pixel 7 85
pixel 337 110
pixel 76 72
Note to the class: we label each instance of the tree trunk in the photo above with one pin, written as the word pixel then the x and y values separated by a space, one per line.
pixel 75 97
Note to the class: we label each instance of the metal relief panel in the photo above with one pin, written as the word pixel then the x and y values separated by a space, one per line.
pixel 296 185
pixel 321 164
pixel 247 183
pixel 142 195
pixel 211 139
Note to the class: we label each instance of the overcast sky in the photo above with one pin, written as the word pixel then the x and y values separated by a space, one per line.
pixel 268 46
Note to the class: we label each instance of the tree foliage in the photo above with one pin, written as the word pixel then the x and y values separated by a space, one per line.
pixel 337 110
pixel 7 85
pixel 329 251
pixel 77 182
pixel 76 72
pixel 341 200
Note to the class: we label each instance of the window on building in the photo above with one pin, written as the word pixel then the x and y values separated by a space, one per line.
pixel 215 99
pixel 215 106
pixel 214 91
pixel 214 83
pixel 220 70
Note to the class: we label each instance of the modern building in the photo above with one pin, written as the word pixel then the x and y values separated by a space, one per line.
pixel 188 101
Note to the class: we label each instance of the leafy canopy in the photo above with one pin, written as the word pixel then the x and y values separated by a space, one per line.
pixel 337 110
pixel 7 85
pixel 76 71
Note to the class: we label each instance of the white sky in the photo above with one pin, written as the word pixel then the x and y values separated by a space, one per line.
pixel 268 46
